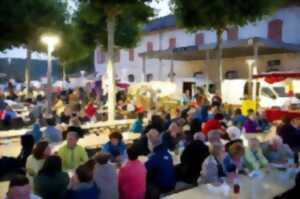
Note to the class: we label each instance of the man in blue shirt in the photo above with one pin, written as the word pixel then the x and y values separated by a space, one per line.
pixel 160 171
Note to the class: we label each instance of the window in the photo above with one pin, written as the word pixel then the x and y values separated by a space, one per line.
pixel 149 77
pixel 231 74
pixel 280 91
pixel 117 56
pixel 233 34
pixel 131 54
pixel 199 39
pixel 131 78
pixel 267 92
pixel 149 46
pixel 172 43
pixel 275 30
pixel 273 65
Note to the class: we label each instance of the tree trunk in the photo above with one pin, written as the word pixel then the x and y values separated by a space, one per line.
pixel 49 83
pixel 219 59
pixel 27 71
pixel 64 72
pixel 111 23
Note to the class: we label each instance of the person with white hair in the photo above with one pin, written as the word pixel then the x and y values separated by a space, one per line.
pixel 214 136
pixel 277 152
pixel 171 137
pixel 234 133
pixel 213 170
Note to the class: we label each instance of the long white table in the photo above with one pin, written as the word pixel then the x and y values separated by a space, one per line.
pixel 272 184
pixel 96 141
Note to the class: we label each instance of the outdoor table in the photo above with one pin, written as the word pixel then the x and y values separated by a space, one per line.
pixel 272 184
pixel 93 141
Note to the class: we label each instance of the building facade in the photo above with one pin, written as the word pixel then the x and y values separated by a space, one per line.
pixel 166 51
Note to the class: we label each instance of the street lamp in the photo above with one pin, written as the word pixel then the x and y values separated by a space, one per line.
pixel 51 41
pixel 252 71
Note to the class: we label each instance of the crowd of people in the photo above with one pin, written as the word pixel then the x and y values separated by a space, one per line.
pixel 208 140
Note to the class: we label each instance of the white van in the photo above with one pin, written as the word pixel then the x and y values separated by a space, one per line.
pixel 269 95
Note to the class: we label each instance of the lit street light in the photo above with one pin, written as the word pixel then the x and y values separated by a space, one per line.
pixel 51 41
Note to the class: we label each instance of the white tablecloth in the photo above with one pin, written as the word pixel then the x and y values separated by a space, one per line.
pixel 271 185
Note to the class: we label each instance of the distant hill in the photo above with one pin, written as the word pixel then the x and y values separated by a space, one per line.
pixel 15 68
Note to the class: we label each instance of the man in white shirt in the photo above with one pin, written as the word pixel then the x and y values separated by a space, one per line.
pixel 19 188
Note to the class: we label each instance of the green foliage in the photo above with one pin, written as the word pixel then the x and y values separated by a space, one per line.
pixel 130 16
pixel 24 21
pixel 219 14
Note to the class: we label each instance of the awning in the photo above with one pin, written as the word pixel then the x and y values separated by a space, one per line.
pixel 273 77
pixel 231 49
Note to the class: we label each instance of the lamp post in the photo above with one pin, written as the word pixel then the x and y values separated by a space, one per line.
pixel 250 63
pixel 51 41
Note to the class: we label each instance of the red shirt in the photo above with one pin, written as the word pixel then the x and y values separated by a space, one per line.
pixel 90 110
pixel 211 124
pixel 132 180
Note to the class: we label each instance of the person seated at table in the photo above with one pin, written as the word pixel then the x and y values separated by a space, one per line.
pixel 90 110
pixel 234 160
pixel 251 125
pixel 156 122
pixel 65 116
pixel 166 117
pixel 171 137
pixel 132 174
pixel 201 114
pixel 238 119
pixel 254 158
pixel 51 182
pixel 277 152
pixel 211 124
pixel 191 160
pixel 19 188
pixel 213 136
pixel 137 126
pixel 234 134
pixel 105 177
pixel 289 134
pixel 115 147
pixel 51 133
pixel 292 193
pixel 27 143
pixel 36 160
pixel 213 170
pixel 72 154
pixel 36 132
pixel 82 185
pixel 213 111
pixel 160 171
pixel 263 122
pixel 58 106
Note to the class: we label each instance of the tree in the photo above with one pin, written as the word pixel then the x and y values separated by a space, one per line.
pixel 36 18
pixel 72 49
pixel 219 15
pixel 123 19
pixel 10 16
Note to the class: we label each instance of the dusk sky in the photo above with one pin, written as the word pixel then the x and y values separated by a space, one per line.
pixel 162 9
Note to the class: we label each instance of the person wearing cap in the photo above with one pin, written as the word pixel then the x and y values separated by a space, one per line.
pixel 72 154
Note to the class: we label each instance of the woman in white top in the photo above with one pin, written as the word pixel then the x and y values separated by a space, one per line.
pixel 36 160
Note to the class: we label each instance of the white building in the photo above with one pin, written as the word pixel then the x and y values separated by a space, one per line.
pixel 165 49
